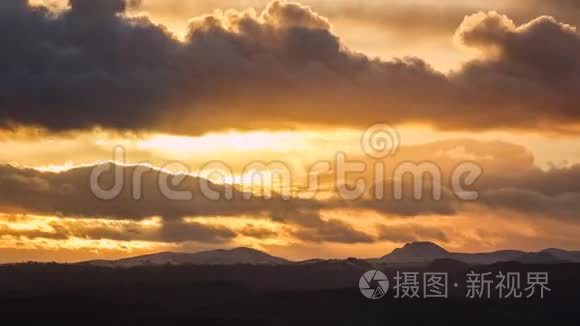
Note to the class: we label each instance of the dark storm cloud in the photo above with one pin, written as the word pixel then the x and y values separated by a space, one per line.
pixel 79 68
pixel 93 66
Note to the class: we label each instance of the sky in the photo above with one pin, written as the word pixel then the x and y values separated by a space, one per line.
pixel 164 90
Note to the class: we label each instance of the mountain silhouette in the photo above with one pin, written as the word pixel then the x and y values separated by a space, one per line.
pixel 416 252
pixel 410 253
pixel 426 252
pixel 236 256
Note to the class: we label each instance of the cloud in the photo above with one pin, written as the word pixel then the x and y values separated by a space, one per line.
pixel 257 232
pixel 407 21
pixel 331 230
pixel 93 66
pixel 420 20
pixel 508 170
pixel 31 234
pixel 97 8
pixel 70 194
pixel 534 204
pixel 25 227
pixel 550 182
pixel 511 185
pixel 410 233
pixel 530 71
pixel 173 231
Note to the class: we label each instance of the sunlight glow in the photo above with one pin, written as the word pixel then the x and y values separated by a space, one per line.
pixel 237 141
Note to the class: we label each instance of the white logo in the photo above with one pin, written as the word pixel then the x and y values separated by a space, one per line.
pixel 380 290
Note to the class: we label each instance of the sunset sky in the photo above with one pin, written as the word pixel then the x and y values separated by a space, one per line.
pixel 181 83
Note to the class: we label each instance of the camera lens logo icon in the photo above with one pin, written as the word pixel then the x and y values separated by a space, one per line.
pixel 373 284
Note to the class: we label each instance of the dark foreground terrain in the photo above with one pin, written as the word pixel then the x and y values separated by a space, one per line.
pixel 320 293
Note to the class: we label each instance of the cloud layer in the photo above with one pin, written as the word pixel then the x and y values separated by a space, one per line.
pixel 91 65
pixel 510 186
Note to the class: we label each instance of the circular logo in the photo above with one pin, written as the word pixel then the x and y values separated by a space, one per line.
pixel 380 140
pixel 377 292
